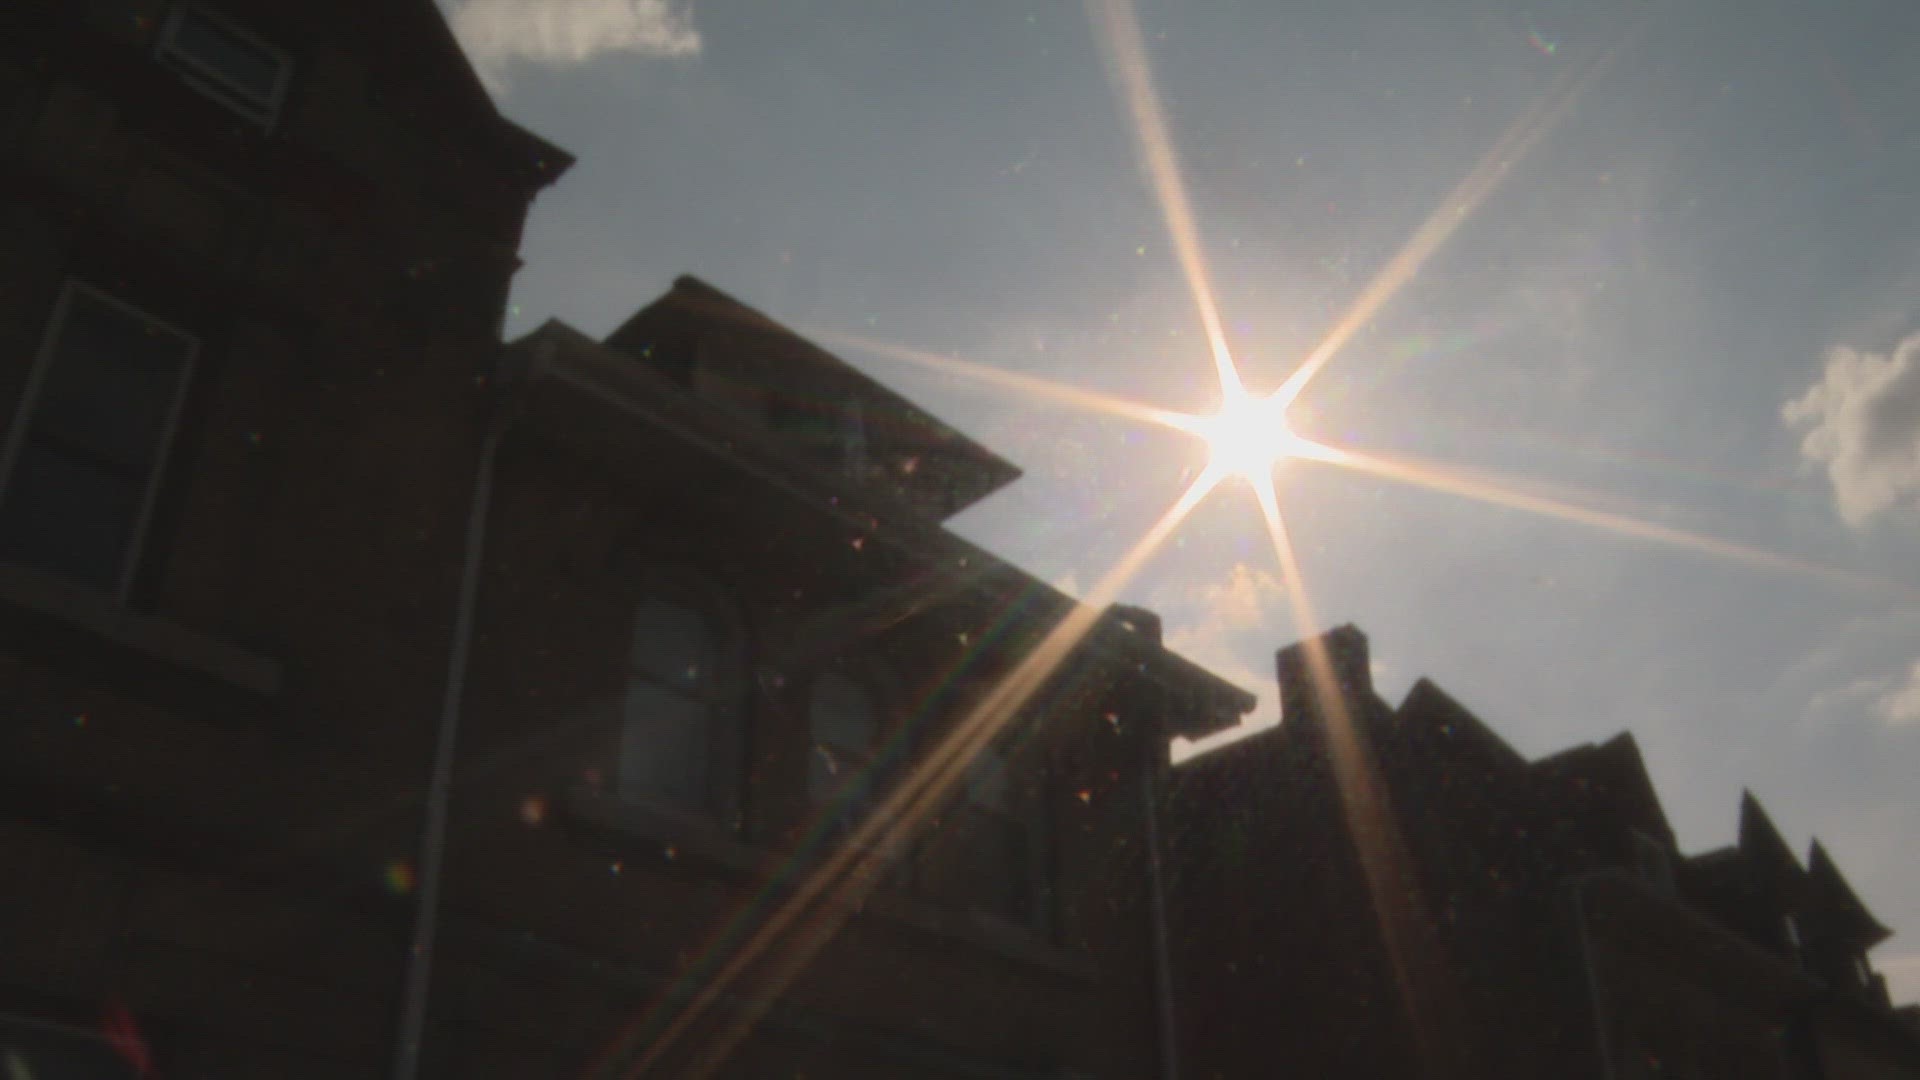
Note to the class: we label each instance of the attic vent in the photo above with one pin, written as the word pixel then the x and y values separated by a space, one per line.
pixel 220 60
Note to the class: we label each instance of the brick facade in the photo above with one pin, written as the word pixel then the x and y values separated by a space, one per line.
pixel 220 719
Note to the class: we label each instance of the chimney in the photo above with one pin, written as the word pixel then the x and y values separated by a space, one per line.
pixel 1346 649
pixel 1138 620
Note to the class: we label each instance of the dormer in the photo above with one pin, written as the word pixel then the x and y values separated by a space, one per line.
pixel 810 400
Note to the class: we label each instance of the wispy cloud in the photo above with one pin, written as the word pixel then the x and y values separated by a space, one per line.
pixel 1862 423
pixel 1900 706
pixel 498 34
pixel 1241 599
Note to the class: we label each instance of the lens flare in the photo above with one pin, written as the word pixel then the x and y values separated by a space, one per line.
pixel 1246 438
pixel 828 896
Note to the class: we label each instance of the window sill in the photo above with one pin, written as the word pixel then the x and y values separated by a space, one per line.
pixel 695 841
pixel 677 835
pixel 45 596
pixel 972 929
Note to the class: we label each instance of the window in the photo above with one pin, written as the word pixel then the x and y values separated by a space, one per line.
pixel 226 63
pixel 1862 971
pixel 87 448
pixel 845 767
pixel 1790 929
pixel 666 732
pixel 989 855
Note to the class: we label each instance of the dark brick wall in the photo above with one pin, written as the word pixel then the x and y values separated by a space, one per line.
pixel 209 857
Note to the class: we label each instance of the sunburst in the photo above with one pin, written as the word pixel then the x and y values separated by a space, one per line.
pixel 1248 437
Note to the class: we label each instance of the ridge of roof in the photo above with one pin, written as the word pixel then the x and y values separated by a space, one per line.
pixel 1828 884
pixel 691 302
pixel 536 354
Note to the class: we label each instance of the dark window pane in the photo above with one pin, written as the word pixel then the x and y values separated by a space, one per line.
pixel 846 728
pixel 984 863
pixel 111 386
pixel 663 748
pixel 672 646
pixel 843 713
pixel 69 516
pixel 216 50
pixel 987 780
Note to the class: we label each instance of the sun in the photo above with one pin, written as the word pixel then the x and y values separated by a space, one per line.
pixel 1249 436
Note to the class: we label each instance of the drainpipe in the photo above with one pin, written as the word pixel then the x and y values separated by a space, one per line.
pixel 1162 954
pixel 1601 1040
pixel 433 834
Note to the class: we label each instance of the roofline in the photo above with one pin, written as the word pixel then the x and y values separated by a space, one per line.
pixel 526 363
pixel 543 161
pixel 1006 472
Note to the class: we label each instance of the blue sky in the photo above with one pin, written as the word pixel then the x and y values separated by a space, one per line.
pixel 1686 303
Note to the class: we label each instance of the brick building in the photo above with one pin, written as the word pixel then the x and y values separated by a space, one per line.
pixel 773 518
pixel 267 468
pixel 1545 923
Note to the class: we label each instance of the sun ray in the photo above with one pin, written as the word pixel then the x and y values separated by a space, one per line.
pixel 831 892
pixel 1118 31
pixel 1399 910
pixel 1490 490
pixel 1520 137
pixel 1047 389
pixel 1249 437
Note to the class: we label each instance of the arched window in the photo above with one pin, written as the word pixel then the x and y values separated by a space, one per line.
pixel 846 767
pixel 678 737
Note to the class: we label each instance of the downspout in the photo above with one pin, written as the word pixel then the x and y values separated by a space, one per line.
pixel 1157 898
pixel 433 834
pixel 1602 1042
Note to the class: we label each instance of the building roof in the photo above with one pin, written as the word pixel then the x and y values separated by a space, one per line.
pixel 1760 839
pixel 1837 906
pixel 415 47
pixel 1614 774
pixel 1427 704
pixel 674 330
pixel 642 398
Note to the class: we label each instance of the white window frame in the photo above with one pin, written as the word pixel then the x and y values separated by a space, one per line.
pixel 210 81
pixel 30 400
pixel 723 695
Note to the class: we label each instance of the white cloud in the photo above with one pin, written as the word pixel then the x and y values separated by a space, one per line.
pixel 498 33
pixel 1842 702
pixel 1900 706
pixel 1241 598
pixel 1214 647
pixel 1862 422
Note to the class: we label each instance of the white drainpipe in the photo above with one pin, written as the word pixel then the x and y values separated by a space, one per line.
pixel 1162 954
pixel 1602 1040
pixel 433 834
